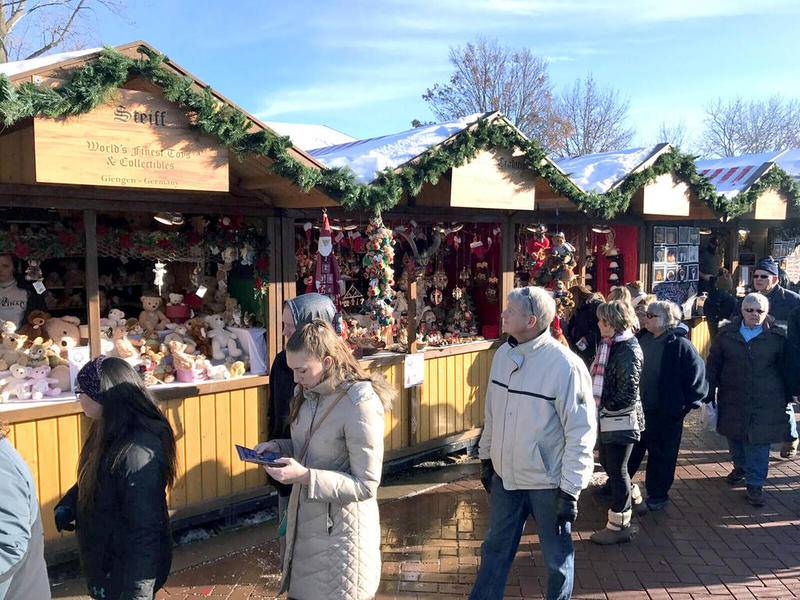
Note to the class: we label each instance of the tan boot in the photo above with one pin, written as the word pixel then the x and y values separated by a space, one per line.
pixel 639 506
pixel 617 531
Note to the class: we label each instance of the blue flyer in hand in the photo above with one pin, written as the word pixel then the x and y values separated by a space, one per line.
pixel 249 455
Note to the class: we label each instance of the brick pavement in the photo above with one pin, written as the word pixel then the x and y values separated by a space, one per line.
pixel 709 544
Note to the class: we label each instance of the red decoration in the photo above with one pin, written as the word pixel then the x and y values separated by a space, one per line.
pixel 327 277
pixel 21 250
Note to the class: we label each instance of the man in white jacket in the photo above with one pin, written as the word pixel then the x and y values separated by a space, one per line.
pixel 536 448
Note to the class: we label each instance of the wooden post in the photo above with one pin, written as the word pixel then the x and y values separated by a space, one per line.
pixel 507 261
pixel 411 320
pixel 584 232
pixel 645 255
pixel 92 282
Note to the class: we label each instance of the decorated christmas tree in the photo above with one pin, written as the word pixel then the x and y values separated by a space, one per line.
pixel 461 318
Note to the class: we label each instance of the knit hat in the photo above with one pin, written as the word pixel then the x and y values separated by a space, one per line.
pixel 88 379
pixel 769 265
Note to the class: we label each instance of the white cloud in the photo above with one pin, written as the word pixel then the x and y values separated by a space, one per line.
pixel 330 97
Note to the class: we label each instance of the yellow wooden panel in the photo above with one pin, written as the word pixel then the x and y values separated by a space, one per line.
pixel 194 460
pixel 27 446
pixel 254 474
pixel 423 410
pixel 397 408
pixel 224 447
pixel 460 391
pixel 237 437
pixel 441 396
pixel 10 435
pixel 69 450
pixel 451 399
pixel 208 446
pixel 174 411
pixel 497 179
pixel 49 480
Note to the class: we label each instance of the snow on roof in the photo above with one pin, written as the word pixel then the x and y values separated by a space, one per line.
pixel 367 157
pixel 789 161
pixel 599 172
pixel 732 175
pixel 12 69
pixel 309 137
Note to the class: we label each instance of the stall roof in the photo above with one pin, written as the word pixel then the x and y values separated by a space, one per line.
pixel 733 175
pixel 368 157
pixel 604 171
pixel 12 69
pixel 309 136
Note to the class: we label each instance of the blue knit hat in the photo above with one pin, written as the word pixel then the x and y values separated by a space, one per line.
pixel 769 265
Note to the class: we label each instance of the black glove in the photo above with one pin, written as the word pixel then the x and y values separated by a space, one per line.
pixel 64 518
pixel 566 509
pixel 487 472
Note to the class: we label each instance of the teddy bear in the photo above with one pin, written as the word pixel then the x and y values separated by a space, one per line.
pixel 40 382
pixel 223 342
pixel 17 384
pixel 122 345
pixel 151 318
pixel 197 331
pixel 180 333
pixel 181 359
pixel 237 368
pixel 11 350
pixel 116 317
pixel 37 353
pixel 34 325
pixel 231 310
pixel 215 371
pixel 177 310
pixel 65 333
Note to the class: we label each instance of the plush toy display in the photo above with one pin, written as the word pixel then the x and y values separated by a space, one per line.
pixel 231 310
pixel 37 353
pixel 40 382
pixel 123 347
pixel 181 334
pixel 237 368
pixel 182 360
pixel 223 342
pixel 151 318
pixel 65 333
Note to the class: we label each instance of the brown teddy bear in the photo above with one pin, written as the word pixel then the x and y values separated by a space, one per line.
pixel 197 330
pixel 151 318
pixel 11 350
pixel 34 325
pixel 180 358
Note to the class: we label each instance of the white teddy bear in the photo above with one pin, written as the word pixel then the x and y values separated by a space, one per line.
pixel 223 342
pixel 40 383
pixel 17 385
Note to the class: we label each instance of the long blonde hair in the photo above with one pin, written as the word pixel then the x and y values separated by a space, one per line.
pixel 318 339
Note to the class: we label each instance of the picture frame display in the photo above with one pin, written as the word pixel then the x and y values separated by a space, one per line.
pixel 694 236
pixel 684 235
pixel 683 254
pixel 672 255
pixel 659 236
pixel 671 236
pixel 671 273
pixel 693 273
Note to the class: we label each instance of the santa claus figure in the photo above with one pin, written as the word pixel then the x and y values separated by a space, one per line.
pixel 327 279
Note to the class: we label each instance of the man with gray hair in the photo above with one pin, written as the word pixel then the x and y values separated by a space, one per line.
pixel 537 445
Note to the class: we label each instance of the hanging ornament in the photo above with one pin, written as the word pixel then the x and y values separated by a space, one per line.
pixel 197 272
pixel 377 263
pixel 160 271
pixel 458 293
pixel 352 298
pixel 492 291
pixel 33 272
pixel 437 297
pixel 481 271
pixel 327 279
pixel 440 277
pixel 464 276
pixel 248 254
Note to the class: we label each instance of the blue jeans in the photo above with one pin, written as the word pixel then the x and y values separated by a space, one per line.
pixel 753 458
pixel 792 421
pixel 509 509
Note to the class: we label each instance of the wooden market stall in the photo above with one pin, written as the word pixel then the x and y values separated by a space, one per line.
pixel 128 196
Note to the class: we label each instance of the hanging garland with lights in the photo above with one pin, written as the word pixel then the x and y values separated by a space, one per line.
pixel 93 83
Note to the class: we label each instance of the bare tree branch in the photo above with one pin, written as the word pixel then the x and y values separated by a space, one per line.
pixel 596 119
pixel 488 77
pixel 736 126
pixel 675 134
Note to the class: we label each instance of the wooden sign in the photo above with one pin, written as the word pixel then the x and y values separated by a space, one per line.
pixel 494 179
pixel 136 140
pixel 666 196
pixel 770 205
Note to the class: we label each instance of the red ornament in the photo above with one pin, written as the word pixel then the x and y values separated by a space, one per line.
pixel 125 241
pixel 21 250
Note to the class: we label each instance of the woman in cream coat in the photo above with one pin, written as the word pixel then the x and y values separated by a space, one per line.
pixel 334 461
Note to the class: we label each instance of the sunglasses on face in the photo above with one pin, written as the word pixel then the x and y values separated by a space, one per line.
pixel 754 310
pixel 526 291
pixel 762 276
pixel 650 315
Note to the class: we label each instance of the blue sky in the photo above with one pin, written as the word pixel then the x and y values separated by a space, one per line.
pixel 362 66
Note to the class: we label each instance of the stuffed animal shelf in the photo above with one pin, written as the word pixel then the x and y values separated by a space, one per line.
pixel 151 318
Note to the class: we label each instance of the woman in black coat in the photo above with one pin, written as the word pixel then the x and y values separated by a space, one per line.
pixel 615 384
pixel 673 383
pixel 582 332
pixel 747 370
pixel 119 505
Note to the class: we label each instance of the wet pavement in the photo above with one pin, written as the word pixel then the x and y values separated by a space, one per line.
pixel 708 543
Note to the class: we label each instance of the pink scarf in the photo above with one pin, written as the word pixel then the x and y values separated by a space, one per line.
pixel 598 369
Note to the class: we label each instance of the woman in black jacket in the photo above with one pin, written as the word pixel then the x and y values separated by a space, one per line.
pixel 615 384
pixel 673 383
pixel 748 375
pixel 297 312
pixel 582 331
pixel 119 505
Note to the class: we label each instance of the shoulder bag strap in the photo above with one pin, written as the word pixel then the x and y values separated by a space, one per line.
pixel 317 425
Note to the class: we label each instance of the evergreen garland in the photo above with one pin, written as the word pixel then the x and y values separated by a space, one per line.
pixel 93 83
